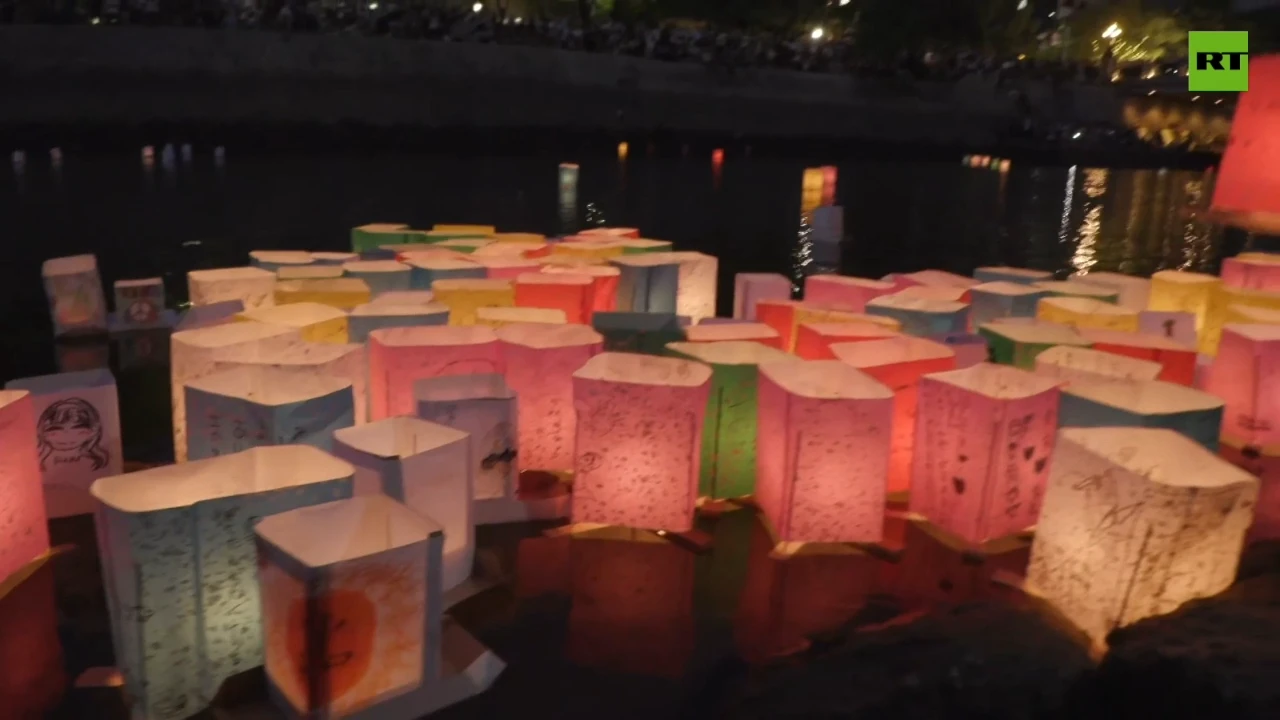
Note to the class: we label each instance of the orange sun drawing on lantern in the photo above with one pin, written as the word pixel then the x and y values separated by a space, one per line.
pixel 349 620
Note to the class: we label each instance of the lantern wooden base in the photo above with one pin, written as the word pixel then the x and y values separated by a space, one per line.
pixel 695 541
pixel 550 503
pixel 889 548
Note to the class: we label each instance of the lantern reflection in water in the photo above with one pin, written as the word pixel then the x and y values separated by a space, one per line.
pixel 30 648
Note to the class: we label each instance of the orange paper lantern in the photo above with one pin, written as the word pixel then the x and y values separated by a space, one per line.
pixel 814 340
pixel 572 293
pixel 1177 360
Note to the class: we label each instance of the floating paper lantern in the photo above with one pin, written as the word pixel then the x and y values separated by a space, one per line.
pixel 1136 522
pixel 809 313
pixel 312 363
pixel 252 286
pixel 646 333
pixel 780 315
pixel 372 237
pixel 581 249
pixel 540 361
pixel 996 300
pixel 1018 344
pixel 380 275
pixel 573 294
pixel 937 278
pixel 497 317
pixel 1177 360
pixel 648 283
pixel 247 407
pixel 899 363
pixel 358 581
pixel 625 232
pixel 464 297
pixel 507 268
pixel 751 288
pixel 1249 315
pixel 604 283
pixel 1069 364
pixel 1080 312
pixel 400 356
pixel 519 238
pixel 74 290
pixel 1244 194
pixel 177 551
pixel 1246 375
pixel 1251 274
pixel 464 231
pixel 140 305
pixel 984 438
pixel 1054 288
pixel 24 532
pixel 425 466
pixel 824 451
pixel 201 316
pixel 920 316
pixel 498 252
pixel 273 260
pixel 194 354
pixel 729 430
pixel 365 319
pixel 1264 464
pixel 313 321
pixel 343 293
pixel 639 246
pixel 1179 291
pixel 931 292
pixel 424 272
pixel 1020 276
pixel 1149 403
pixel 696 298
pixel 639 434
pixel 334 258
pixel 77 430
pixel 745 332
pixel 425 252
pixel 466 246
pixel 970 349
pixel 1132 292
pixel 848 292
pixel 309 272
pixel 405 297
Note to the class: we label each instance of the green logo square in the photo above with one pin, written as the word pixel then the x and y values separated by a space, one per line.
pixel 1217 61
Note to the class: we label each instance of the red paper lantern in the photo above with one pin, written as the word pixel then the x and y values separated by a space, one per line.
pixel 1247 193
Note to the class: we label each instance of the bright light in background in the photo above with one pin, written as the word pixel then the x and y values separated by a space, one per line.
pixel 1053 14
pixel 1077 135
pixel 623 149
pixel 1022 4
pixel 373 6
pixel 816 34
pixel 843 3
pixel 1112 32
pixel 519 20
pixel 95 21
pixel 477 7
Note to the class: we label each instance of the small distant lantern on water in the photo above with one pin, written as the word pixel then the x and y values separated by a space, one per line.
pixel 751 288
pixel 74 289
pixel 1247 191
pixel 140 305
pixel 1135 523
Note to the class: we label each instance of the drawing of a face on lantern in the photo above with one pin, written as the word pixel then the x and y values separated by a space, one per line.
pixel 70 431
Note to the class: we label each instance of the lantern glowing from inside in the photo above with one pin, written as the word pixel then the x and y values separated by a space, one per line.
pixel 814 340
pixel 1138 403
pixel 920 316
pixel 1246 374
pixel 1132 292
pixel 364 319
pixel 1177 359
pixel 1055 288
pixel 571 294
pixel 1069 364
pixel 751 288
pixel 195 353
pixel 519 238
pixel 639 440
pixel 275 259
pixel 507 268
pixel 899 363
pixel 605 280
pixel 309 272
pixel 936 278
pixel 1179 291
pixel 484 407
pixel 405 297
pixel 1020 276
pixel 380 275
pixel 425 466
pixel 24 531
pixel 351 604
pixel 931 292
pixel 252 286
pixel 970 349
pixel 74 290
pixel 1246 189
pixel 140 305
pixel 466 246
pixel 625 232
pixel 202 316
pixel 1136 522
pixel 253 406
pixel 315 322
pixel 1079 312
pixel 729 429
pixel 752 332
pixel 496 317
pixel 1250 274
pixel 646 333
pixel 372 237
pixel 177 550
pixel 425 271
pixel 1018 344
pixel 77 433
pixel 540 361
pixel 466 296
pixel 341 293
pixel 849 292
pixel 696 298
pixel 334 258
pixel 1249 315
pixel 648 283
pixel 984 438
pixel 824 451
pixel 587 250
pixel 640 246
pixel 400 356
pixel 319 362
pixel 464 231
pixel 996 300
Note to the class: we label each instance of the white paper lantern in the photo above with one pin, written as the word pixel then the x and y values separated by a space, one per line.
pixel 1068 363
pixel 252 286
pixel 74 290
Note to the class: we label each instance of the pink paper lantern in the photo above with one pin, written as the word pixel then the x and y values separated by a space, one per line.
pixel 400 356
pixel 24 533
pixel 1251 274
pixel 984 436
pixel 823 451
pixel 1246 374
pixel 571 293
pixel 899 363
pixel 540 361
pixel 1247 191
pixel 848 292
pixel 506 267
pixel 754 332
pixel 751 288
pixel 604 283
pixel 814 340
pixel 936 278
pixel 639 440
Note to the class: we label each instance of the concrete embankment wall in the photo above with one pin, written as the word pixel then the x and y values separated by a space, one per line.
pixel 121 75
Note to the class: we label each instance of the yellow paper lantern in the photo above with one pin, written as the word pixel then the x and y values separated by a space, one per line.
pixel 1178 291
pixel 342 293
pixel 497 317
pixel 592 250
pixel 460 230
pixel 464 297
pixel 1081 312
pixel 316 323
pixel 1250 315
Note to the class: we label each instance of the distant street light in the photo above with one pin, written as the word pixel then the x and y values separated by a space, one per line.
pixel 1112 32
pixel 477 7
pixel 816 34
pixel 843 3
